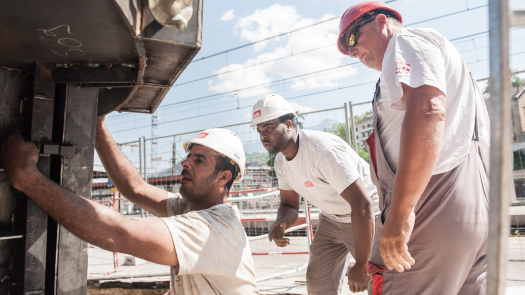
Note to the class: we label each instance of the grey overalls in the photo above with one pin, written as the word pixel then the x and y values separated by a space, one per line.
pixel 449 239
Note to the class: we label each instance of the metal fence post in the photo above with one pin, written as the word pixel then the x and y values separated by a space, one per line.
pixel 308 222
pixel 354 138
pixel 145 169
pixel 140 156
pixel 500 153
pixel 347 130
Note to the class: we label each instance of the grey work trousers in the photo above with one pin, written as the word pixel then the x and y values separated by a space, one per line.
pixel 329 257
pixel 449 240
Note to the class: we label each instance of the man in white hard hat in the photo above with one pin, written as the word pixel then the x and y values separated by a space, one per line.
pixel 324 169
pixel 428 151
pixel 200 235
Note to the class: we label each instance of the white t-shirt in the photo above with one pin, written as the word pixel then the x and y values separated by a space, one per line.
pixel 212 248
pixel 419 57
pixel 323 168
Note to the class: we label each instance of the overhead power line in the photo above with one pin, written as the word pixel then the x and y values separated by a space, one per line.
pixel 302 75
pixel 303 52
pixel 272 37
pixel 294 97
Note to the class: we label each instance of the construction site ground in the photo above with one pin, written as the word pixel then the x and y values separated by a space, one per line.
pixel 101 262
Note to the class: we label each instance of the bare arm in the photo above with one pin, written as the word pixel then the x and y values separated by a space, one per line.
pixel 363 226
pixel 421 137
pixel 286 217
pixel 362 220
pixel 97 224
pixel 125 177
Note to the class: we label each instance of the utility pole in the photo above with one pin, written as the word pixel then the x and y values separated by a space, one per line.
pixel 154 135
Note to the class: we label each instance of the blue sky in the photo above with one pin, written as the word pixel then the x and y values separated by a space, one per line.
pixel 229 24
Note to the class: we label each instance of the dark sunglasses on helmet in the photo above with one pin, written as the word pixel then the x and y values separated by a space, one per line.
pixel 351 37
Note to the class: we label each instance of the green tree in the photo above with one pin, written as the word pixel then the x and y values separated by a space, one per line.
pixel 358 118
pixel 299 120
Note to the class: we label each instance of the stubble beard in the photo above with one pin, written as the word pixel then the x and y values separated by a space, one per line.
pixel 200 191
pixel 281 144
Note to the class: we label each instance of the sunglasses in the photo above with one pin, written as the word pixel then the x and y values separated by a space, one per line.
pixel 354 34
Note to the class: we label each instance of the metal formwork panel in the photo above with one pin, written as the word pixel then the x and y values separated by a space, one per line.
pixel 77 172
pixel 13 87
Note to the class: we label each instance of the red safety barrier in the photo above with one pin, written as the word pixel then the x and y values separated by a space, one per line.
pixel 115 205
pixel 259 190
pixel 280 253
pixel 300 220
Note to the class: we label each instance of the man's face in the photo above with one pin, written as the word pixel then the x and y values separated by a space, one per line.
pixel 199 180
pixel 371 43
pixel 273 135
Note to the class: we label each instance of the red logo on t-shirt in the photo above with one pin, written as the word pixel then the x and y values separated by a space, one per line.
pixel 308 184
pixel 202 135
pixel 257 114
pixel 402 68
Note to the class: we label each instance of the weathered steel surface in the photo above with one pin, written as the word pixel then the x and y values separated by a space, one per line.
pixel 77 171
pixel 12 89
pixel 92 42
pixel 36 223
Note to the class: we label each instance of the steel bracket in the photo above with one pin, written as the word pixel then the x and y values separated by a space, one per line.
pixel 49 149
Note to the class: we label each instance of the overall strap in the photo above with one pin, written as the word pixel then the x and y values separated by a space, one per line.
pixel 475 135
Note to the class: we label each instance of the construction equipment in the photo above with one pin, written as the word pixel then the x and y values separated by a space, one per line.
pixel 63 63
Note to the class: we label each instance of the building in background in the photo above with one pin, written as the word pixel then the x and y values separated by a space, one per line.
pixel 364 126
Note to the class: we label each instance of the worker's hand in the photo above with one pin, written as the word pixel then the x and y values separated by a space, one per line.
pixel 277 233
pixel 18 156
pixel 358 278
pixel 101 119
pixel 394 240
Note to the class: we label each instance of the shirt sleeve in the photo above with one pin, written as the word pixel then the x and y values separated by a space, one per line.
pixel 204 244
pixel 283 184
pixel 414 61
pixel 176 205
pixel 337 168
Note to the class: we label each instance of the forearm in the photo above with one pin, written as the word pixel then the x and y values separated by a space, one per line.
pixel 363 227
pixel 95 223
pixel 287 213
pixel 421 137
pixel 125 177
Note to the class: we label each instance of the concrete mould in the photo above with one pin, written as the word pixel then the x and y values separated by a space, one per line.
pixel 119 46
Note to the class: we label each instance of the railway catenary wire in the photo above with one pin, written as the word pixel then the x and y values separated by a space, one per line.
pixel 289 98
pixel 358 64
pixel 310 50
pixel 282 80
pixel 309 94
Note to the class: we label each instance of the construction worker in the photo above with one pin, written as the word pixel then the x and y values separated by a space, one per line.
pixel 324 169
pixel 429 151
pixel 200 235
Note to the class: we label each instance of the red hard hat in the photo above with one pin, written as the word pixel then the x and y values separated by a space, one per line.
pixel 353 13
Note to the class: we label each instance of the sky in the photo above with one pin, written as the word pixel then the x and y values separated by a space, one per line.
pixel 304 66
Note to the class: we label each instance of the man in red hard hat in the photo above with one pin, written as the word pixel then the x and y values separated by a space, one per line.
pixel 429 153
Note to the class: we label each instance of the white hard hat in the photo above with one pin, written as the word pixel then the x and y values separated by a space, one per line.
pixel 270 107
pixel 224 142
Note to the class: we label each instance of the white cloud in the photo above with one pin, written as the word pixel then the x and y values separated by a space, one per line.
pixel 301 108
pixel 270 22
pixel 228 15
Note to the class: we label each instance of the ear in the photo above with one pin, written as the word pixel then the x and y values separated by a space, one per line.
pixel 224 177
pixel 289 125
pixel 382 19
